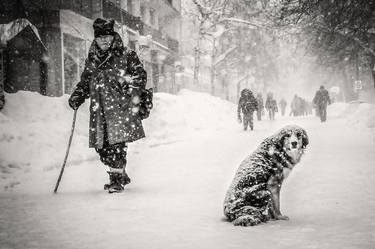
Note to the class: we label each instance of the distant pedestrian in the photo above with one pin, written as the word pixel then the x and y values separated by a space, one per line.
pixel 271 106
pixel 260 109
pixel 321 100
pixel 2 97
pixel 247 104
pixel 294 106
pixel 283 105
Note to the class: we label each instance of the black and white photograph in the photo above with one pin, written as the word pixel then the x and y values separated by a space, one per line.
pixel 187 124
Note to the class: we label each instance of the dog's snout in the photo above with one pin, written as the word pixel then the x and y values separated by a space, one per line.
pixel 294 144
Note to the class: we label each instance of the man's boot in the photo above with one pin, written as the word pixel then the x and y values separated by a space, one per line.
pixel 114 185
pixel 121 164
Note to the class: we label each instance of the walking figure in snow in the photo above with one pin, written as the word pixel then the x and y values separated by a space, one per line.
pixel 271 106
pixel 294 105
pixel 114 80
pixel 282 104
pixel 260 109
pixel 2 97
pixel 247 105
pixel 254 195
pixel 321 100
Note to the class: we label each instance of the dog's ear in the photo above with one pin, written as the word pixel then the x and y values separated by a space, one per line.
pixel 279 143
pixel 305 139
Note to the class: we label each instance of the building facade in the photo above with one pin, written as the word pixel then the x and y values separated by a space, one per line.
pixel 151 27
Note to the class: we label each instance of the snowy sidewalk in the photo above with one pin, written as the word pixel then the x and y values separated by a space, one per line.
pixel 175 199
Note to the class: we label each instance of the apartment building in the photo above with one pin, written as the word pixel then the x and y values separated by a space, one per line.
pixel 48 55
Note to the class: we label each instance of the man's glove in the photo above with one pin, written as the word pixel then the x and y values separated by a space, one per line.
pixel 73 102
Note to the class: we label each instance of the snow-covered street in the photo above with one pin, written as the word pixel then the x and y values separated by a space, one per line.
pixel 149 110
pixel 177 190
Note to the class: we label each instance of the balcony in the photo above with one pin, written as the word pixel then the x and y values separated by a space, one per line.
pixel 160 37
pixel 110 10
pixel 82 7
pixel 156 34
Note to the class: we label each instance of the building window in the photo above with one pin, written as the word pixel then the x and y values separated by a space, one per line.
pixel 152 16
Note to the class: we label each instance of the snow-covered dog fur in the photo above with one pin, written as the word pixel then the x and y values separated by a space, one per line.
pixel 254 195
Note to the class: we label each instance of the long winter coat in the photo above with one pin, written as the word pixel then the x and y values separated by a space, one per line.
pixel 282 103
pixel 322 98
pixel 247 102
pixel 2 97
pixel 113 115
pixel 271 104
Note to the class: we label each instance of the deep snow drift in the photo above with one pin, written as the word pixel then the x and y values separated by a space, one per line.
pixel 34 130
pixel 180 174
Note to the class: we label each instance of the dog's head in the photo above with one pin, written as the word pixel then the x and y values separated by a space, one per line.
pixel 292 140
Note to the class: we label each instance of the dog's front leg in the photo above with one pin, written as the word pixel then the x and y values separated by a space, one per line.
pixel 274 187
pixel 276 203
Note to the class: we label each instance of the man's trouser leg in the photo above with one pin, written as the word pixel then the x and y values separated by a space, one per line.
pixel 245 121
pixel 114 156
pixel 251 120
pixel 321 113
pixel 324 114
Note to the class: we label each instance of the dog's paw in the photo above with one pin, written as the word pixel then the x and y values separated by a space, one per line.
pixel 246 220
pixel 281 217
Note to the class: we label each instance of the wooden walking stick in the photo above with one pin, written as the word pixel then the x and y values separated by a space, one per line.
pixel 67 151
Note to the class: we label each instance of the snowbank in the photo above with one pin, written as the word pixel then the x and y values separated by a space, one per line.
pixel 34 132
pixel 34 129
pixel 358 114
pixel 337 109
pixel 174 116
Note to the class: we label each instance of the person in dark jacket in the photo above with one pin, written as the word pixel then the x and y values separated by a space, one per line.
pixel 113 79
pixel 2 97
pixel 294 106
pixel 282 104
pixel 321 100
pixel 271 106
pixel 260 109
pixel 247 104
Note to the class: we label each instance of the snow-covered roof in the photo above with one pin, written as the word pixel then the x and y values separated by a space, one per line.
pixel 10 30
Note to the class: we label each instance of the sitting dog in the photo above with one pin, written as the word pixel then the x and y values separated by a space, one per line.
pixel 254 195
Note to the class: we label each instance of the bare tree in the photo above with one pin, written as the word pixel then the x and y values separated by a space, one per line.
pixel 207 14
pixel 341 32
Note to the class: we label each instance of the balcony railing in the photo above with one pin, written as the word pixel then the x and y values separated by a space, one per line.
pixel 160 37
pixel 156 34
pixel 110 10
